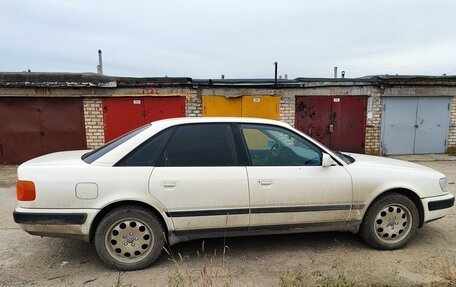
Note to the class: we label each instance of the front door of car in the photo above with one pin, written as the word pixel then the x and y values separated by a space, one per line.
pixel 199 180
pixel 288 184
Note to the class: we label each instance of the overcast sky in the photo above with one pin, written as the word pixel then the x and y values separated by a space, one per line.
pixel 241 39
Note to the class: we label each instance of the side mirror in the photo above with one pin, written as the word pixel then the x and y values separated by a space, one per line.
pixel 327 160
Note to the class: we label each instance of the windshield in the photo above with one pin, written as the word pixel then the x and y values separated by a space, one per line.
pixel 104 149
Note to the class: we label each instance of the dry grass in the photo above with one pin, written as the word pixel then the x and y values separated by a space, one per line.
pixel 449 274
pixel 209 274
pixel 290 278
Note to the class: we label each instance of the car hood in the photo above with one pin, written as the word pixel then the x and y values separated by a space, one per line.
pixel 384 162
pixel 58 158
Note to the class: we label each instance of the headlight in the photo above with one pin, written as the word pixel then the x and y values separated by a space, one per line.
pixel 444 184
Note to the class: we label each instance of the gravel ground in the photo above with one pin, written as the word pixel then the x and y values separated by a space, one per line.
pixel 249 261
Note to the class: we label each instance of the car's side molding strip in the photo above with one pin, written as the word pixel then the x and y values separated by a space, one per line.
pixel 238 211
pixel 191 213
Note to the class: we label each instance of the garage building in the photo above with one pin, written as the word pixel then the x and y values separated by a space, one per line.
pixel 46 112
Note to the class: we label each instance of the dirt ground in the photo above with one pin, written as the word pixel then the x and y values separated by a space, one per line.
pixel 27 260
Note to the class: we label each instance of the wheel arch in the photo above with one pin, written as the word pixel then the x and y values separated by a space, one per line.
pixel 96 221
pixel 410 195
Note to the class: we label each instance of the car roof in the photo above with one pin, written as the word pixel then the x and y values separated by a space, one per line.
pixel 190 120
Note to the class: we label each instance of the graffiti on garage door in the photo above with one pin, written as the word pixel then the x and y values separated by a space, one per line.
pixel 31 127
pixel 337 122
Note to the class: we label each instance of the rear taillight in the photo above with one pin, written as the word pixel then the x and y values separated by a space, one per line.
pixel 25 190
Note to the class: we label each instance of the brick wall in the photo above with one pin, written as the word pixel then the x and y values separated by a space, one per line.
pixel 194 106
pixel 93 115
pixel 373 124
pixel 451 147
pixel 287 110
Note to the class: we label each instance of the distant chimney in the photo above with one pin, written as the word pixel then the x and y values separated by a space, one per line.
pixel 342 74
pixel 335 72
pixel 286 76
pixel 275 73
pixel 100 63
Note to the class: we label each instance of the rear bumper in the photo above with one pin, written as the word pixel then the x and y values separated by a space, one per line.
pixel 73 223
pixel 49 218
pixel 437 207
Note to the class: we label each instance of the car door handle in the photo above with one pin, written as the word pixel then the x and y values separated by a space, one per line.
pixel 169 184
pixel 265 181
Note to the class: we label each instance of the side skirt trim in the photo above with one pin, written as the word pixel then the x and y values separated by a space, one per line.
pixel 186 235
pixel 258 210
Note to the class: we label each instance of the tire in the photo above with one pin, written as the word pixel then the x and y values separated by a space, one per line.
pixel 129 238
pixel 390 222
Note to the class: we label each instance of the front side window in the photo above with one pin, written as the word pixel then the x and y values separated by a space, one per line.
pixel 275 146
pixel 199 145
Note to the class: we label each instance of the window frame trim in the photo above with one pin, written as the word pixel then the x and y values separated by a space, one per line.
pixel 239 137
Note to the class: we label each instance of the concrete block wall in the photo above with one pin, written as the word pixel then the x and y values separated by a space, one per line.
pixel 287 110
pixel 373 124
pixel 93 115
pixel 451 146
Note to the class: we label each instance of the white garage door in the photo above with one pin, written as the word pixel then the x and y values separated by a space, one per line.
pixel 415 125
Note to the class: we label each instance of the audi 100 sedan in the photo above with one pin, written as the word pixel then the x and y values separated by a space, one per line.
pixel 187 178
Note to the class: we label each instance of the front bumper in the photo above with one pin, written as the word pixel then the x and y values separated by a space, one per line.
pixel 73 223
pixel 437 207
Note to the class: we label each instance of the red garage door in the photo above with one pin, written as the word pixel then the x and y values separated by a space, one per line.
pixel 30 127
pixel 122 115
pixel 337 122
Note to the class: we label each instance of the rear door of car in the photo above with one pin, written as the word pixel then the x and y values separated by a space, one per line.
pixel 289 187
pixel 200 180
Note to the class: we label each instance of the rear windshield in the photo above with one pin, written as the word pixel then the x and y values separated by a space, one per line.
pixel 104 149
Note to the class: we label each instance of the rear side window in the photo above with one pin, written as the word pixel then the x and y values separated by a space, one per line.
pixel 104 149
pixel 147 153
pixel 199 145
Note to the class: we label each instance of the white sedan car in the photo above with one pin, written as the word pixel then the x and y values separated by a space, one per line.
pixel 187 178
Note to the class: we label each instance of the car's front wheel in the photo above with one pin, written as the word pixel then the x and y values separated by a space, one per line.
pixel 390 222
pixel 129 238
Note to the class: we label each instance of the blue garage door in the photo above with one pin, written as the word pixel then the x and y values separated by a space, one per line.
pixel 415 125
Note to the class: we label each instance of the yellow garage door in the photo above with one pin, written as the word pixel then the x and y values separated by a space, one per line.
pixel 217 106
pixel 247 106
pixel 266 107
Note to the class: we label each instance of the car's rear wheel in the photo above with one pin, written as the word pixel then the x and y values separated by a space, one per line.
pixel 390 222
pixel 129 238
